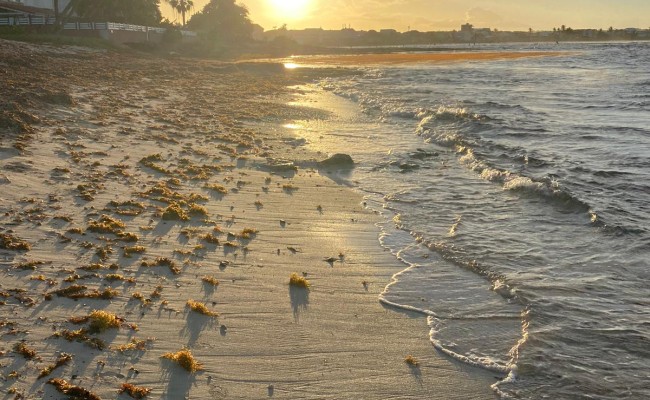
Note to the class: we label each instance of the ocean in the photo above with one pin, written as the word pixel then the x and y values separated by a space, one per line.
pixel 515 197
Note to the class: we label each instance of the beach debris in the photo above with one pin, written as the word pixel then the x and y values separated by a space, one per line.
pixel 293 249
pixel 296 280
pixel 127 208
pixel 106 224
pixel 118 277
pixel 10 242
pixel 25 351
pixel 162 262
pixel 247 233
pixel 135 344
pixel 135 392
pixel 63 359
pixel 337 160
pixel 201 308
pixel 330 260
pixel 283 223
pixel 99 321
pixel 280 165
pixel 210 238
pixel 185 359
pixel 80 291
pixel 411 361
pixel 72 391
pixel 289 187
pixel 197 210
pixel 211 280
pixel 81 336
pixel 216 188
pixel 174 212
pixel 129 250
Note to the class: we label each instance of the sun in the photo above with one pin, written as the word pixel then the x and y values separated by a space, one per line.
pixel 290 9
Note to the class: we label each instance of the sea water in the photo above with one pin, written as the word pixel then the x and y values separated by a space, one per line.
pixel 516 198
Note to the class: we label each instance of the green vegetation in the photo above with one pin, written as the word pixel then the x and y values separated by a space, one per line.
pixel 138 12
pixel 224 21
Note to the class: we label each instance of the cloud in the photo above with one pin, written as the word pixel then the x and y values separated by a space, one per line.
pixel 450 14
pixel 478 16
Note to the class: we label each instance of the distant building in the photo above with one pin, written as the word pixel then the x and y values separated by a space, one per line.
pixel 44 4
pixel 470 34
pixel 467 28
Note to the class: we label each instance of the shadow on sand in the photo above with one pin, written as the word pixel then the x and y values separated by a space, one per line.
pixel 299 300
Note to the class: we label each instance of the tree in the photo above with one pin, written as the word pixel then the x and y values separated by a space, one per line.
pixel 181 7
pixel 56 11
pixel 224 21
pixel 141 12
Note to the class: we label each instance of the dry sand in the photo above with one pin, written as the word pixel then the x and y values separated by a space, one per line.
pixel 93 140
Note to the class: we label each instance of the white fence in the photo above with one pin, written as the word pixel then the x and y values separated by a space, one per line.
pixel 35 20
pixel 84 26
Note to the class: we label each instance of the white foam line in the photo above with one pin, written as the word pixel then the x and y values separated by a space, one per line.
pixel 475 361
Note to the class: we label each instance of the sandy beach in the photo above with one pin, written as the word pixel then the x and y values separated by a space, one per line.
pixel 142 187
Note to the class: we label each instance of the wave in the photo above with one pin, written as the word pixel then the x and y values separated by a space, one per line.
pixel 438 323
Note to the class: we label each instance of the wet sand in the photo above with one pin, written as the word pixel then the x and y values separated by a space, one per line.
pixel 132 185
pixel 408 58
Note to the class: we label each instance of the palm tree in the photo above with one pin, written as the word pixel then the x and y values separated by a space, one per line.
pixel 181 6
pixel 56 12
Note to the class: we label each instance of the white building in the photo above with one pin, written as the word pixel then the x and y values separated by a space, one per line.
pixel 48 4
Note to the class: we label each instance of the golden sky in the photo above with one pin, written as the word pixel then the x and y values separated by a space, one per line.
pixel 431 15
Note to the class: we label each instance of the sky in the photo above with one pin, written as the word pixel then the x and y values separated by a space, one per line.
pixel 433 15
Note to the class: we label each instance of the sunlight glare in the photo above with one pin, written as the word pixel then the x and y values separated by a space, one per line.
pixel 292 9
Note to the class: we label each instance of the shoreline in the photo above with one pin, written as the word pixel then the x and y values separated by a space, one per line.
pixel 133 138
